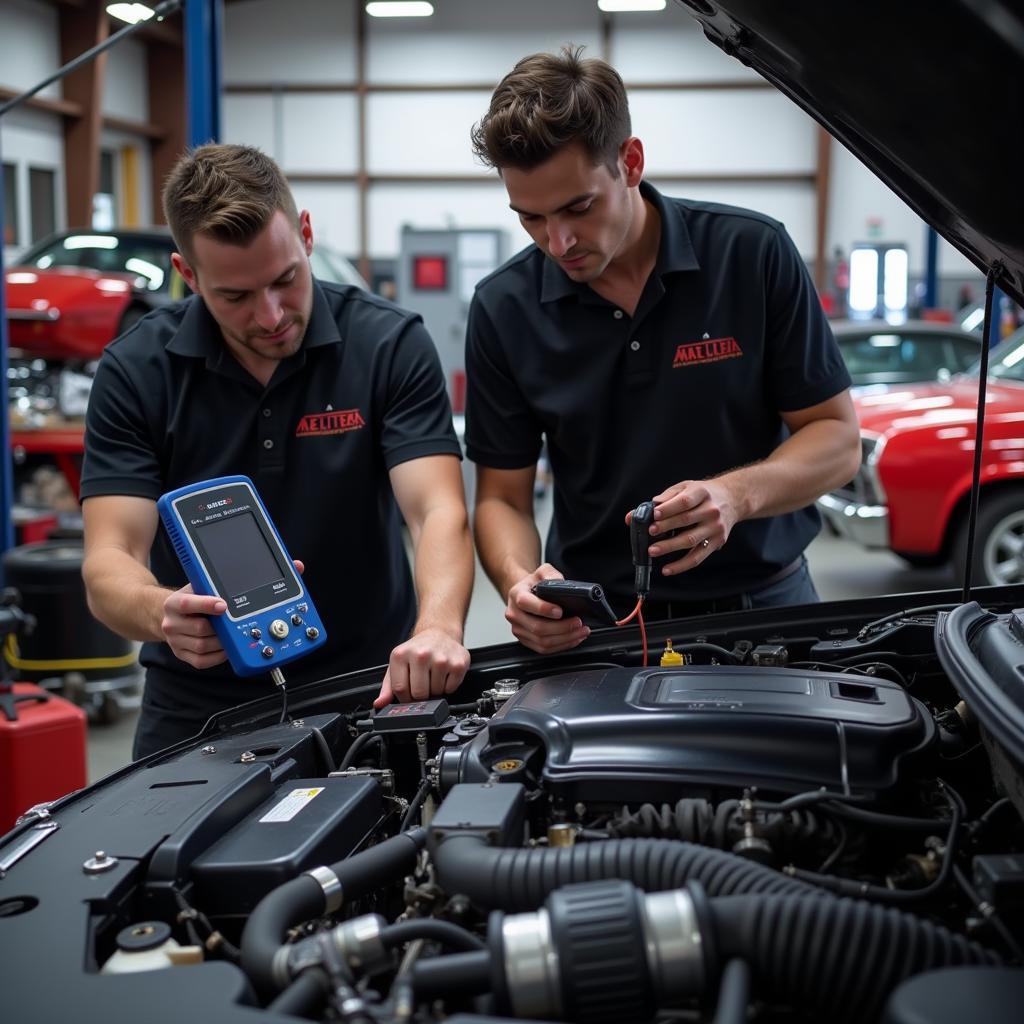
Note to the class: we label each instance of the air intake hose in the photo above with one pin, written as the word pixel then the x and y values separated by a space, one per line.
pixel 609 954
pixel 516 880
pixel 318 892
pixel 840 957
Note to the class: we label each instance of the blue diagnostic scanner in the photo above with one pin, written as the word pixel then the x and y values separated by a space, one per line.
pixel 229 548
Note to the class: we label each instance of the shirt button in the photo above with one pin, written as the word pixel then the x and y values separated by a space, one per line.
pixel 268 444
pixel 617 314
pixel 635 346
pixel 266 412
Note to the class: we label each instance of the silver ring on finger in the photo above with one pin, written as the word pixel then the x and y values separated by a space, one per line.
pixel 705 543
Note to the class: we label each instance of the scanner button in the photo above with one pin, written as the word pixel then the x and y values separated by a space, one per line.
pixel 256 633
pixel 296 620
pixel 279 629
pixel 312 632
pixel 267 652
pixel 303 607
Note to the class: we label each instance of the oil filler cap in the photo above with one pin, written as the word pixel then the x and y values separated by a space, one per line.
pixel 142 936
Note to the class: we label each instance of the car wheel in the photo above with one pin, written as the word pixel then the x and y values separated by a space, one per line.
pixel 998 541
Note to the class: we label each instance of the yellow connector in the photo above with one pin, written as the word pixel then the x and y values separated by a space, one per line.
pixel 669 656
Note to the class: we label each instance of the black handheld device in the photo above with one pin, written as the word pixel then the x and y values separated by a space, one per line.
pixel 639 540
pixel 586 600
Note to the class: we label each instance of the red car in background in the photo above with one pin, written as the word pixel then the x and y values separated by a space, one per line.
pixel 76 291
pixel 71 294
pixel 911 492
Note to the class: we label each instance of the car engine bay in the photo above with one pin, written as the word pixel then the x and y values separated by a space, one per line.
pixel 782 827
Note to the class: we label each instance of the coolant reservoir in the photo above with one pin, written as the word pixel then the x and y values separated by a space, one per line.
pixel 148 946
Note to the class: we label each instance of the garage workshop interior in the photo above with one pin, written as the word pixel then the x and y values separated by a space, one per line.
pixel 511 511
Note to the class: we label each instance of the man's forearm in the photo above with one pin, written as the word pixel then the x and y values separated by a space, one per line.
pixel 507 542
pixel 443 571
pixel 124 595
pixel 821 455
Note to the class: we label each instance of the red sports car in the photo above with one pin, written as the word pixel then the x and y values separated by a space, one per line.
pixel 911 493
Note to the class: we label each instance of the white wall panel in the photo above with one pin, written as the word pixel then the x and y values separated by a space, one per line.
pixel 125 87
pixel 423 133
pixel 483 205
pixel 251 120
pixel 670 48
pixel 794 204
pixel 476 40
pixel 319 132
pixel 744 132
pixel 29 45
pixel 297 41
pixel 334 213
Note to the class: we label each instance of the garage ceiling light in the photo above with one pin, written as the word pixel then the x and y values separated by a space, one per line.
pixel 618 6
pixel 132 13
pixel 399 9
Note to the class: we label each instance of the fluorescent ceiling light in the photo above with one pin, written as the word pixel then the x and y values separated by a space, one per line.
pixel 400 9
pixel 618 6
pixel 132 13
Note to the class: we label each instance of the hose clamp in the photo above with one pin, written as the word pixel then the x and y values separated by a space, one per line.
pixel 331 885
pixel 532 968
pixel 675 951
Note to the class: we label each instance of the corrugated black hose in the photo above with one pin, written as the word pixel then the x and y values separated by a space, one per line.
pixel 836 958
pixel 517 880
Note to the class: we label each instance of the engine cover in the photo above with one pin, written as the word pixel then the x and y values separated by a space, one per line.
pixel 614 734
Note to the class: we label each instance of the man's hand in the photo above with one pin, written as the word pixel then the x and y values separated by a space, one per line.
pixel 187 629
pixel 702 512
pixel 539 624
pixel 429 664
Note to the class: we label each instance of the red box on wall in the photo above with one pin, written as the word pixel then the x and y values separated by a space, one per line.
pixel 42 752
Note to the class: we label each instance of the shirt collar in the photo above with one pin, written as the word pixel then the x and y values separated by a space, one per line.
pixel 199 334
pixel 675 251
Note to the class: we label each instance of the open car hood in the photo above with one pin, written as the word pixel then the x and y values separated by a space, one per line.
pixel 930 99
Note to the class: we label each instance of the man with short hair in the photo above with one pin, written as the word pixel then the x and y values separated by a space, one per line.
pixel 331 399
pixel 665 349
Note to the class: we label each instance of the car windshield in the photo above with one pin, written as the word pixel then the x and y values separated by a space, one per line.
pixel 1006 360
pixel 147 258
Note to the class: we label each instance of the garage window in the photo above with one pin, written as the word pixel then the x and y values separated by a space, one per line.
pixel 42 201
pixel 10 205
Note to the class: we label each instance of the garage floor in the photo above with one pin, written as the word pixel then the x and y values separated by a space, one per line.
pixel 840 570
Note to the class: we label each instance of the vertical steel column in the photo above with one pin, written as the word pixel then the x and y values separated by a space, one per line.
pixel 203 23
pixel 931 268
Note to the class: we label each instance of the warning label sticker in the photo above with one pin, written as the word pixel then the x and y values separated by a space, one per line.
pixel 286 809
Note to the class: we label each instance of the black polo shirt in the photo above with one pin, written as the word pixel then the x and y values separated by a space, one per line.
pixel 171 406
pixel 728 333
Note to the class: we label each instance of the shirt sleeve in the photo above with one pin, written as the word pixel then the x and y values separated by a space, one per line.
pixel 501 431
pixel 803 362
pixel 119 454
pixel 416 419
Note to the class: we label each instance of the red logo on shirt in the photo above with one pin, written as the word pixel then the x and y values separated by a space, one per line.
pixel 712 350
pixel 318 424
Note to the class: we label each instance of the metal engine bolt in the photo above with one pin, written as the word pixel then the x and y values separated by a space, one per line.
pixel 98 863
pixel 208 750
pixel 247 757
